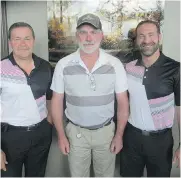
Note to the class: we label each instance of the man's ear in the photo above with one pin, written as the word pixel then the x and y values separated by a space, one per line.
pixel 10 45
pixel 103 37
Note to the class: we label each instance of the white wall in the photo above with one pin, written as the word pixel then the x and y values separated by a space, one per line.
pixel 171 48
pixel 171 30
pixel 34 13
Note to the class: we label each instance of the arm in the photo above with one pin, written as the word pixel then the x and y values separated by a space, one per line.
pixel 3 155
pixel 177 115
pixel 49 95
pixel 121 88
pixel 57 110
pixel 49 116
pixel 122 118
pixel 122 112
pixel 57 113
pixel 177 152
pixel 177 111
pixel 3 161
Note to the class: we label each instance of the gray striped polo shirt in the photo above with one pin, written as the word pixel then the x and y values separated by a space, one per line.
pixel 89 95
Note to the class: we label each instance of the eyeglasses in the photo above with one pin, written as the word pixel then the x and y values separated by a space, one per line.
pixel 92 82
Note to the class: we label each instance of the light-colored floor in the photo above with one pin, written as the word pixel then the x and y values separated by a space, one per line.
pixel 57 165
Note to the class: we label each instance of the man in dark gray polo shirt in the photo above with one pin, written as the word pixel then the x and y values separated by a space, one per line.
pixel 25 87
pixel 154 90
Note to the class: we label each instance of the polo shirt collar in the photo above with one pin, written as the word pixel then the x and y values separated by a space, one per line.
pixel 158 62
pixel 35 59
pixel 101 59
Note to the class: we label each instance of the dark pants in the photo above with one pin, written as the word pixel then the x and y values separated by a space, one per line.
pixel 30 148
pixel 153 151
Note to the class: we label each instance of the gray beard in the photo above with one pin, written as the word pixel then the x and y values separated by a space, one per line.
pixel 89 51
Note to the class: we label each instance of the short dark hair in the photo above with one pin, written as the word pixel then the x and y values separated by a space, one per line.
pixel 20 24
pixel 148 22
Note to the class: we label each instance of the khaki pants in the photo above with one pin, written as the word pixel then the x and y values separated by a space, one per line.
pixel 91 144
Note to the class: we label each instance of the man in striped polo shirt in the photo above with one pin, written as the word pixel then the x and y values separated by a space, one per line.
pixel 154 94
pixel 90 78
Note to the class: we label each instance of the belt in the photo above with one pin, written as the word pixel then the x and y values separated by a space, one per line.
pixel 92 127
pixel 148 133
pixel 5 127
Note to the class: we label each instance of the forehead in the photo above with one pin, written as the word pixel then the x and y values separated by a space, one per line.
pixel 86 27
pixel 146 28
pixel 21 31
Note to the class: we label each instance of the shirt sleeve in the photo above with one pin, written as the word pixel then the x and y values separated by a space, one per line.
pixel 58 81
pixel 121 78
pixel 49 91
pixel 177 87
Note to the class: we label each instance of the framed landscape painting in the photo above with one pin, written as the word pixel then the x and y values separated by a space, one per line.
pixel 119 19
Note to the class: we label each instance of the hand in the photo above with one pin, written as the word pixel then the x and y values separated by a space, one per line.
pixel 177 157
pixel 3 161
pixel 117 144
pixel 49 119
pixel 64 145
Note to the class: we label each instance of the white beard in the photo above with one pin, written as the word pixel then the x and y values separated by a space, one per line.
pixel 89 50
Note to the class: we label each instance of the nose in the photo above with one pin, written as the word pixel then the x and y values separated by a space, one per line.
pixel 146 39
pixel 22 42
pixel 89 37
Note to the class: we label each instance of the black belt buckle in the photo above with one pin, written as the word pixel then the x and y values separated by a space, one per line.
pixel 32 127
pixel 145 133
pixel 29 128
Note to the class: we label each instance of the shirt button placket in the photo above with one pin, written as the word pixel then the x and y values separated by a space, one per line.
pixel 146 70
